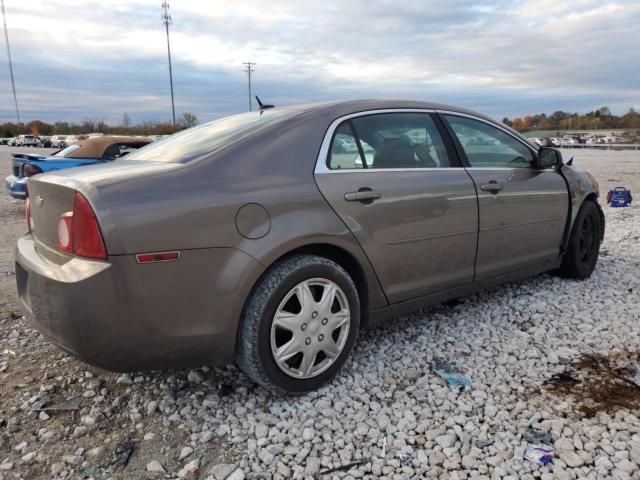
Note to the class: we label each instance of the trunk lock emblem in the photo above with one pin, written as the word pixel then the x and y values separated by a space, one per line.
pixel 40 201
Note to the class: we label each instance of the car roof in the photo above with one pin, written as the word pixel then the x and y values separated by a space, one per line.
pixel 339 109
pixel 96 146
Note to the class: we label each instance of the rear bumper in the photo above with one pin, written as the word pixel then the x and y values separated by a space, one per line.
pixel 16 187
pixel 123 316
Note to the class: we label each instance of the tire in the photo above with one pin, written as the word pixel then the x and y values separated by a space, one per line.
pixel 581 257
pixel 261 336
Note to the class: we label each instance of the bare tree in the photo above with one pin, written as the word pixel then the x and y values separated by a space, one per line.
pixel 189 119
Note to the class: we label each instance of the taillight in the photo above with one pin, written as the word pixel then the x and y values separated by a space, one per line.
pixel 79 232
pixel 29 170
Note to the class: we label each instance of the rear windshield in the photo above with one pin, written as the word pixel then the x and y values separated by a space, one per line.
pixel 195 142
pixel 66 151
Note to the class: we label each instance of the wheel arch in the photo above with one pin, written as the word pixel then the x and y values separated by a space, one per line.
pixel 338 254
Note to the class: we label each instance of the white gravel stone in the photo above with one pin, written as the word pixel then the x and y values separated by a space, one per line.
pixel 237 474
pixel 572 459
pixel 446 441
pixel 29 457
pixel 308 434
pixel 57 468
pixel 222 471
pixel 124 379
pixel 195 376
pixel 185 452
pixel 155 466
pixel 190 468
pixel 72 459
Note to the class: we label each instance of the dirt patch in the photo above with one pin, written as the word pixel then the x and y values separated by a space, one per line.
pixel 598 383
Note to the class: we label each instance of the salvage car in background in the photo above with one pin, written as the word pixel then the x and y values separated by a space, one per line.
pixel 85 152
pixel 273 237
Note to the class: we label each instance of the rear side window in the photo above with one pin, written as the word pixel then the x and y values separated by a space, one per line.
pixel 182 147
pixel 386 141
pixel 487 146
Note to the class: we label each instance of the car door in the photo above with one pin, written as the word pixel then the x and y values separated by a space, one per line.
pixel 523 209
pixel 396 182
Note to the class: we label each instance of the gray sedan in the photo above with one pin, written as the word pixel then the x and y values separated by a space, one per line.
pixel 271 238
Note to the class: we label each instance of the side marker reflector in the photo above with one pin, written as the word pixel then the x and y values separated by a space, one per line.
pixel 157 257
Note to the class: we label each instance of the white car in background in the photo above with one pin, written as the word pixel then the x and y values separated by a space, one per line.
pixel 75 138
pixel 26 141
pixel 58 141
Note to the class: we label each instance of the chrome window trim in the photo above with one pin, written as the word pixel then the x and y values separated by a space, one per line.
pixel 321 162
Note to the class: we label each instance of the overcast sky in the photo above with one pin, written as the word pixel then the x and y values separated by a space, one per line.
pixel 89 59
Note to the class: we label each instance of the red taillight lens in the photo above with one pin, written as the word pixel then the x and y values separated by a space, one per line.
pixel 79 232
pixel 27 211
pixel 29 170
pixel 86 236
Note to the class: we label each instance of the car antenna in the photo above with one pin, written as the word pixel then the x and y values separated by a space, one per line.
pixel 262 105
pixel 570 162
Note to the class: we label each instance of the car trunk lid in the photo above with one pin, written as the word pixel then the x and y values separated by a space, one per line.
pixel 52 194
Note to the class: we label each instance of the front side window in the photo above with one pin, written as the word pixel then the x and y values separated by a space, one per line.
pixel 487 146
pixel 388 140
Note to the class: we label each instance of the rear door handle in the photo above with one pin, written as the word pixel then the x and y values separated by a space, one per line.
pixel 362 196
pixel 492 186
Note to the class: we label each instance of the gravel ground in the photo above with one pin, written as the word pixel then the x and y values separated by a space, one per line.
pixel 387 415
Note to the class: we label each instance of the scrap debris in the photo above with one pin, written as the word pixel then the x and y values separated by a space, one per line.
pixel 344 468
pixel 540 454
pixel 533 435
pixel 45 405
pixel 484 442
pixel 123 452
pixel 453 375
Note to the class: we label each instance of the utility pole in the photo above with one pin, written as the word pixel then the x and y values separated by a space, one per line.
pixel 250 68
pixel 166 19
pixel 13 83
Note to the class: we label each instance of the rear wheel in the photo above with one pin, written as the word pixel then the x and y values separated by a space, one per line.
pixel 299 325
pixel 584 245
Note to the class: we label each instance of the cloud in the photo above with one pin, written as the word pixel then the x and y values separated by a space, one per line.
pixel 502 57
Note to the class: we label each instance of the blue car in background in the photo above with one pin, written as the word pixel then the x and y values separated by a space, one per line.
pixel 86 152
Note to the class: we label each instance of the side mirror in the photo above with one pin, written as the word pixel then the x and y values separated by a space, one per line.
pixel 549 157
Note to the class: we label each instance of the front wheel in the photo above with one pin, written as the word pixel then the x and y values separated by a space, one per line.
pixel 299 325
pixel 581 257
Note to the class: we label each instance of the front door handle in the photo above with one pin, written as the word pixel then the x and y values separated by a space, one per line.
pixel 492 186
pixel 362 195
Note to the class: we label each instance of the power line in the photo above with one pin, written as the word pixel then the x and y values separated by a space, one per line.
pixel 13 83
pixel 249 68
pixel 166 19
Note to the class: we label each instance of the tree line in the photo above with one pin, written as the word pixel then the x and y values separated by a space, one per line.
pixel 126 127
pixel 601 118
